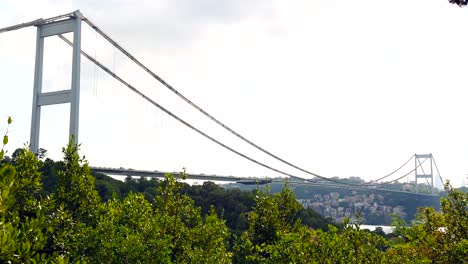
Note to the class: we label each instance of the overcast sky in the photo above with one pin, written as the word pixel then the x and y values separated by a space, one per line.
pixel 339 87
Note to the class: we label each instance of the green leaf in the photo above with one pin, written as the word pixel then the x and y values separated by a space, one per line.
pixel 5 140
pixel 2 152
pixel 9 120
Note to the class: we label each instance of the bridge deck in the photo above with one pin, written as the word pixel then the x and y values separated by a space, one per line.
pixel 160 174
pixel 242 180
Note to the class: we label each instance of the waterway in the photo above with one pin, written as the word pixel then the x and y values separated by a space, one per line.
pixel 386 229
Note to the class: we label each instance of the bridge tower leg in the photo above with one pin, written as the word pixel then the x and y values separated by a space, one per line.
pixel 419 171
pixel 72 95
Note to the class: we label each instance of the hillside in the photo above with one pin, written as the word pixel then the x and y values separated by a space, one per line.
pixel 229 204
pixel 375 207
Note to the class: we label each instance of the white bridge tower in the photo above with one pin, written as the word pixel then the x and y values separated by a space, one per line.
pixel 419 171
pixel 49 28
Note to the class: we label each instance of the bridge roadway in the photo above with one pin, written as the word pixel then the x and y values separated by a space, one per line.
pixel 160 174
pixel 241 180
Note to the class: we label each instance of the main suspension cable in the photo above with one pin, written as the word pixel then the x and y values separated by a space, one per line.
pixel 171 88
pixel 397 179
pixel 131 87
pixel 390 174
pixel 167 85
pixel 438 172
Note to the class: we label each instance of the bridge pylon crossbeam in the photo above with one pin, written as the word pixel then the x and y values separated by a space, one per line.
pixel 420 173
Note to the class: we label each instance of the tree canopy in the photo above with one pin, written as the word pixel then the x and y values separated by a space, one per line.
pixel 73 224
pixel 459 2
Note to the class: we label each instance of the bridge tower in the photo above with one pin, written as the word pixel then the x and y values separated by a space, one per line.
pixel 420 173
pixel 72 95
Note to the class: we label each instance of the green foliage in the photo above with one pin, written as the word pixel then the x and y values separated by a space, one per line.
pixel 459 2
pixel 5 140
pixel 73 225
pixel 193 239
pixel 27 184
pixel 128 232
pixel 75 186
pixel 24 223
pixel 158 222
pixel 272 220
pixel 232 205
pixel 437 236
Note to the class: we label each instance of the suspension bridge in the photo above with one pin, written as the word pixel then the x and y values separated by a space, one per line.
pixel 425 168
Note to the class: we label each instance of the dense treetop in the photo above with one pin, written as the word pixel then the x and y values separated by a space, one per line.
pixel 459 2
pixel 70 223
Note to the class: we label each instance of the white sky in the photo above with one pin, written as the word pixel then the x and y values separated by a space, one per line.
pixel 340 87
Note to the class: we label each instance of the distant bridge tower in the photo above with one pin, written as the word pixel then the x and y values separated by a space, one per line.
pixel 58 26
pixel 420 173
